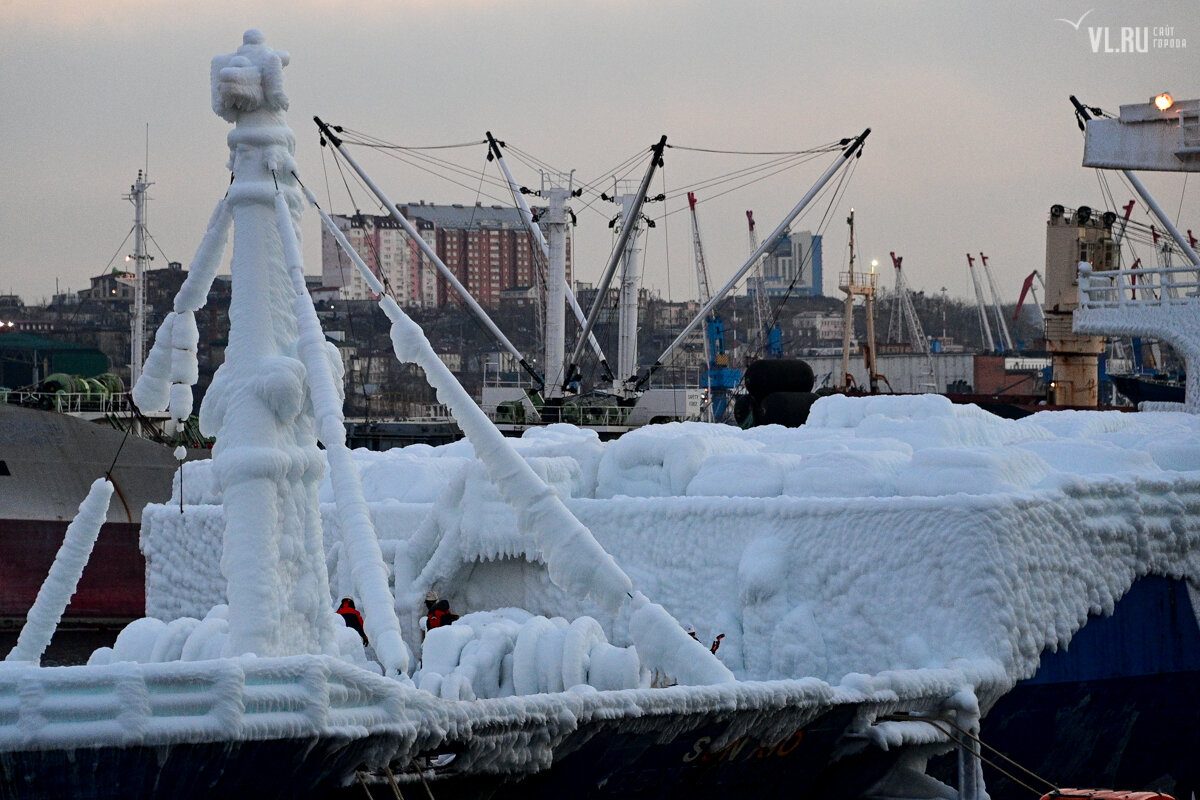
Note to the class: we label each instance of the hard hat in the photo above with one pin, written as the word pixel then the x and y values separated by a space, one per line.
pixel 431 596
pixel 689 628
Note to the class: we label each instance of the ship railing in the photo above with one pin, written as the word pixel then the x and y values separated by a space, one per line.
pixel 1137 288
pixel 506 375
pixel 70 402
pixel 431 412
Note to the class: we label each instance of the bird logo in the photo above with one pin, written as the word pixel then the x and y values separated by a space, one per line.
pixel 1076 25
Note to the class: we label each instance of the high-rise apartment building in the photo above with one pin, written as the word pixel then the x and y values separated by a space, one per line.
pixel 794 263
pixel 486 247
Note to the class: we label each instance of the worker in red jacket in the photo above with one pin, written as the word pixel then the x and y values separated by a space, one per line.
pixel 352 618
pixel 440 615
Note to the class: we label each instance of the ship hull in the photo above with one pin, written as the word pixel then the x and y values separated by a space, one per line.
pixel 276 768
pixel 679 756
pixel 1116 709
pixel 112 589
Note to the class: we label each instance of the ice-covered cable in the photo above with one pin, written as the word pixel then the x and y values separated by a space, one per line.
pixel 63 578
pixel 203 269
pixel 362 546
pixel 663 644
pixel 574 559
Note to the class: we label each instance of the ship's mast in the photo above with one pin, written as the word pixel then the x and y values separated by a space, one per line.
pixel 853 284
pixel 618 250
pixel 140 259
pixel 848 311
pixel 556 194
pixel 627 324
pixel 550 183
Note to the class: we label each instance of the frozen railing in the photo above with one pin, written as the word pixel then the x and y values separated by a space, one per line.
pixel 1137 288
pixel 1163 302
pixel 165 703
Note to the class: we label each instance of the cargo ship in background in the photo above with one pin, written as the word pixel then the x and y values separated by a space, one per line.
pixel 47 461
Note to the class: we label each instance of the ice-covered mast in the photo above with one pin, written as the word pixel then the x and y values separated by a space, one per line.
pixel 852 149
pixel 276 393
pixel 329 134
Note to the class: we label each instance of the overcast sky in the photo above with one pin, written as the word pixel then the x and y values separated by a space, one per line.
pixel 973 138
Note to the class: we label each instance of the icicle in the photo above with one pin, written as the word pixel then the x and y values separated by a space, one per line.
pixel 172 368
pixel 63 578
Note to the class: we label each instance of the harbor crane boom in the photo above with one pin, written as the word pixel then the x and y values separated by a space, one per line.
pixel 772 340
pixel 701 269
pixel 985 327
pixel 1028 288
pixel 998 308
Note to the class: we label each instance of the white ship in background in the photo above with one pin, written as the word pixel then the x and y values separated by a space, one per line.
pixel 897 580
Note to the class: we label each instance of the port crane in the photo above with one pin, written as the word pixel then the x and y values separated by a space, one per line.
pixel 1029 289
pixel 772 337
pixel 720 378
pixel 997 306
pixel 906 324
pixel 984 326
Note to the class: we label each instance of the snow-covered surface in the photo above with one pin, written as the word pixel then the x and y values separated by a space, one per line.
pixel 888 533
pixel 1153 301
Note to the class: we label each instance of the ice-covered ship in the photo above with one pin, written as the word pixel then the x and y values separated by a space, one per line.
pixel 886 578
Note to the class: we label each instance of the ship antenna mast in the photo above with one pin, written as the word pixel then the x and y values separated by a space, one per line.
pixel 140 259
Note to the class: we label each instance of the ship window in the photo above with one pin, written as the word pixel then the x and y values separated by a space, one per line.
pixel 4 468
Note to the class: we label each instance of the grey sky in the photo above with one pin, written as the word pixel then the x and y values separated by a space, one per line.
pixel 972 138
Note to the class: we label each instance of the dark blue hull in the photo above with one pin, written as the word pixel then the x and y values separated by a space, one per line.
pixel 1142 389
pixel 1126 733
pixel 1119 709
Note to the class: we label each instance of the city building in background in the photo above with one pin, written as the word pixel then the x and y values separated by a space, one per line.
pixel 793 263
pixel 486 247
